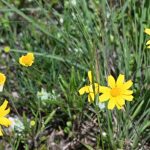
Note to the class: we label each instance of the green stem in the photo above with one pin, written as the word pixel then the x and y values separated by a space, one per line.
pixel 98 117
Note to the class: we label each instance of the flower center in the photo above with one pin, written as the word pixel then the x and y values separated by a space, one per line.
pixel 115 92
pixel 26 59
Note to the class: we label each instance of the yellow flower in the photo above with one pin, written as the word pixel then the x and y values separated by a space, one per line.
pixel 32 123
pixel 27 60
pixel 147 31
pixel 3 112
pixel 2 81
pixel 91 89
pixel 117 92
pixel 6 49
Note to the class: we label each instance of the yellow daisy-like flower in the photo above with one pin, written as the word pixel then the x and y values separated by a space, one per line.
pixel 27 60
pixel 91 89
pixel 3 112
pixel 117 92
pixel 147 31
pixel 2 81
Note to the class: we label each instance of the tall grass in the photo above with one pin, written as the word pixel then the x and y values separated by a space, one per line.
pixel 69 39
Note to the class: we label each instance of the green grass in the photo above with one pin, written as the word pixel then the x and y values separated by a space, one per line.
pixel 99 35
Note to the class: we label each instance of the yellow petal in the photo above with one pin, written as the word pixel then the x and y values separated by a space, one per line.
pixel 4 105
pixel 111 81
pixel 97 87
pixel 127 97
pixel 148 46
pixel 120 80
pixel 83 90
pixel 147 31
pixel 104 89
pixel 148 42
pixel 31 55
pixel 127 85
pixel 91 89
pixel 90 76
pixel 20 60
pixel 120 101
pixel 94 88
pixel 2 78
pixel 91 97
pixel 111 104
pixel 4 121
pixel 127 92
pixel 104 97
pixel 119 107
pixel 4 112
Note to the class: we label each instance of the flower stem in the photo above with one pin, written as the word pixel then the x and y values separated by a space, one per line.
pixel 98 118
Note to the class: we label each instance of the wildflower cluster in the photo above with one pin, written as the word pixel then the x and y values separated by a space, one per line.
pixel 91 89
pixel 26 60
pixel 116 92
